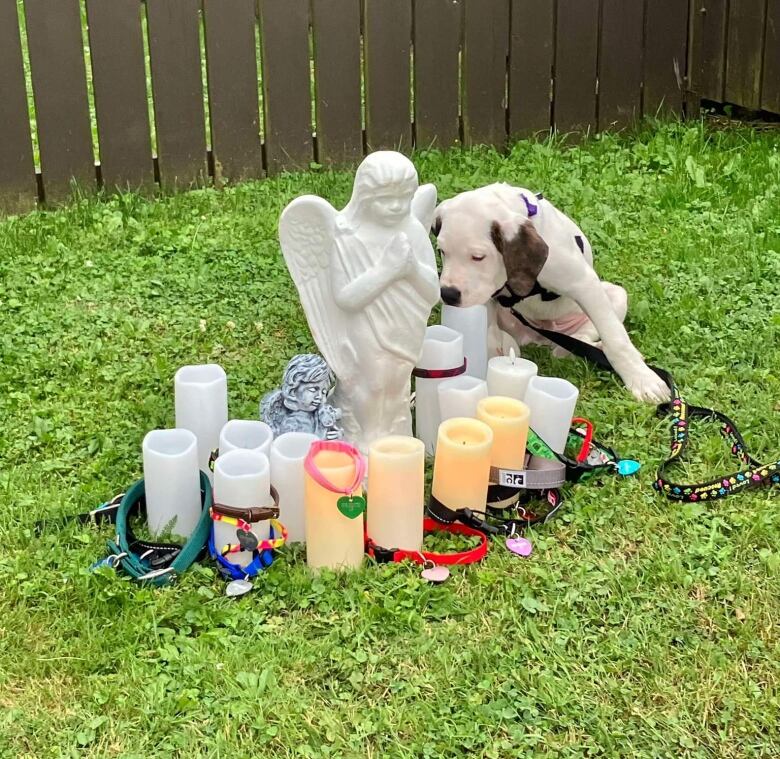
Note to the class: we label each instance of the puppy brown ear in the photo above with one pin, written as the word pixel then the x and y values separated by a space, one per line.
pixel 524 255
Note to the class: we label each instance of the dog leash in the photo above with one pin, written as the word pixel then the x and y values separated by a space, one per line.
pixel 757 474
pixel 155 563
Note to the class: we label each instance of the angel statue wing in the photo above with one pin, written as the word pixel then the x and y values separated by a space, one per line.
pixel 424 205
pixel 306 233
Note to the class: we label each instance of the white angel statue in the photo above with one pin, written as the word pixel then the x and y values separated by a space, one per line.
pixel 367 280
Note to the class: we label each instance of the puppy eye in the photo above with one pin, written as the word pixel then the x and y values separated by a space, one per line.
pixel 478 258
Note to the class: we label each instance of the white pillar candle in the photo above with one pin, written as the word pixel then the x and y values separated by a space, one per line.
pixel 508 376
pixel 242 479
pixel 442 349
pixel 459 396
pixel 552 401
pixel 247 434
pixel 171 481
pixel 471 322
pixel 396 492
pixel 200 393
pixel 287 454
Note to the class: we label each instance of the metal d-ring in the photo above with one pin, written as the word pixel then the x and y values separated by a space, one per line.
pixel 114 559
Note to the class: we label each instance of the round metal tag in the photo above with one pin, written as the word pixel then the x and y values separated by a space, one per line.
pixel 238 588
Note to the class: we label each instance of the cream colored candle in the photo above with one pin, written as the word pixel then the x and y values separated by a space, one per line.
pixel 333 540
pixel 508 418
pixel 509 376
pixel 396 492
pixel 461 471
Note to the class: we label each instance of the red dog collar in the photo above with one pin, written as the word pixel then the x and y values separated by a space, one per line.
pixel 385 555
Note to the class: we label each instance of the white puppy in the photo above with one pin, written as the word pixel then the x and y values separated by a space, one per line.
pixel 505 241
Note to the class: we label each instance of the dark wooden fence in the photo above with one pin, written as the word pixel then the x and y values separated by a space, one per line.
pixel 136 93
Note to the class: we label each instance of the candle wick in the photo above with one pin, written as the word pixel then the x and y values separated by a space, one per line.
pixel 512 355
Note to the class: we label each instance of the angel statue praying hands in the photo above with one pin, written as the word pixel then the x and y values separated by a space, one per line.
pixel 367 280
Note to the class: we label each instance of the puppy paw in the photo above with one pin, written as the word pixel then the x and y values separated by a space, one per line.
pixel 647 386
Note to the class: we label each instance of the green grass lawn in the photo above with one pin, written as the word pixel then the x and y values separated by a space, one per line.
pixel 639 627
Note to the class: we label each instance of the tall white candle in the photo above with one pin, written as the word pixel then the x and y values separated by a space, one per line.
pixel 202 406
pixel 552 401
pixel 459 396
pixel 442 349
pixel 242 479
pixel 508 376
pixel 171 481
pixel 248 434
pixel 471 322
pixel 396 492
pixel 287 454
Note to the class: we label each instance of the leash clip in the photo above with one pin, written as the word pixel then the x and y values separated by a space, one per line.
pixel 156 573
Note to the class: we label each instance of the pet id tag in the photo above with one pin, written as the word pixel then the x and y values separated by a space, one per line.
pixel 237 588
pixel 435 573
pixel 351 506
pixel 519 546
pixel 247 540
pixel 627 467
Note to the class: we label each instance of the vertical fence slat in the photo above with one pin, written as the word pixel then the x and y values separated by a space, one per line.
pixel 485 51
pixel 59 80
pixel 336 30
pixel 745 52
pixel 284 26
pixel 387 42
pixel 620 63
pixel 119 82
pixel 18 188
pixel 666 35
pixel 437 33
pixel 231 67
pixel 574 103
pixel 174 51
pixel 707 59
pixel 770 87
pixel 531 57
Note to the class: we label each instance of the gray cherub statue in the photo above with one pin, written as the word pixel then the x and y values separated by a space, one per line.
pixel 300 404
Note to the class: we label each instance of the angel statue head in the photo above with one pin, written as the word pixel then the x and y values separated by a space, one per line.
pixel 385 183
pixel 300 404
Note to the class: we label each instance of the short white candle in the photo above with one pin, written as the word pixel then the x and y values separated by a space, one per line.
pixel 459 396
pixel 171 481
pixel 471 322
pixel 552 401
pixel 288 452
pixel 508 376
pixel 242 479
pixel 202 406
pixel 396 492
pixel 247 434
pixel 442 349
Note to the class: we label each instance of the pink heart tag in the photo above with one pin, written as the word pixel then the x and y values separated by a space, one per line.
pixel 520 546
pixel 435 574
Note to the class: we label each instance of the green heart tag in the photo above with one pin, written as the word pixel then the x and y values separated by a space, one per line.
pixel 351 506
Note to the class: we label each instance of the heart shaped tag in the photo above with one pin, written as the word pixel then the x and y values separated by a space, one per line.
pixel 237 588
pixel 247 540
pixel 627 467
pixel 520 546
pixel 435 574
pixel 351 506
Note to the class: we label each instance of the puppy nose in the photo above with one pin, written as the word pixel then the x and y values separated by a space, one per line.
pixel 450 295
